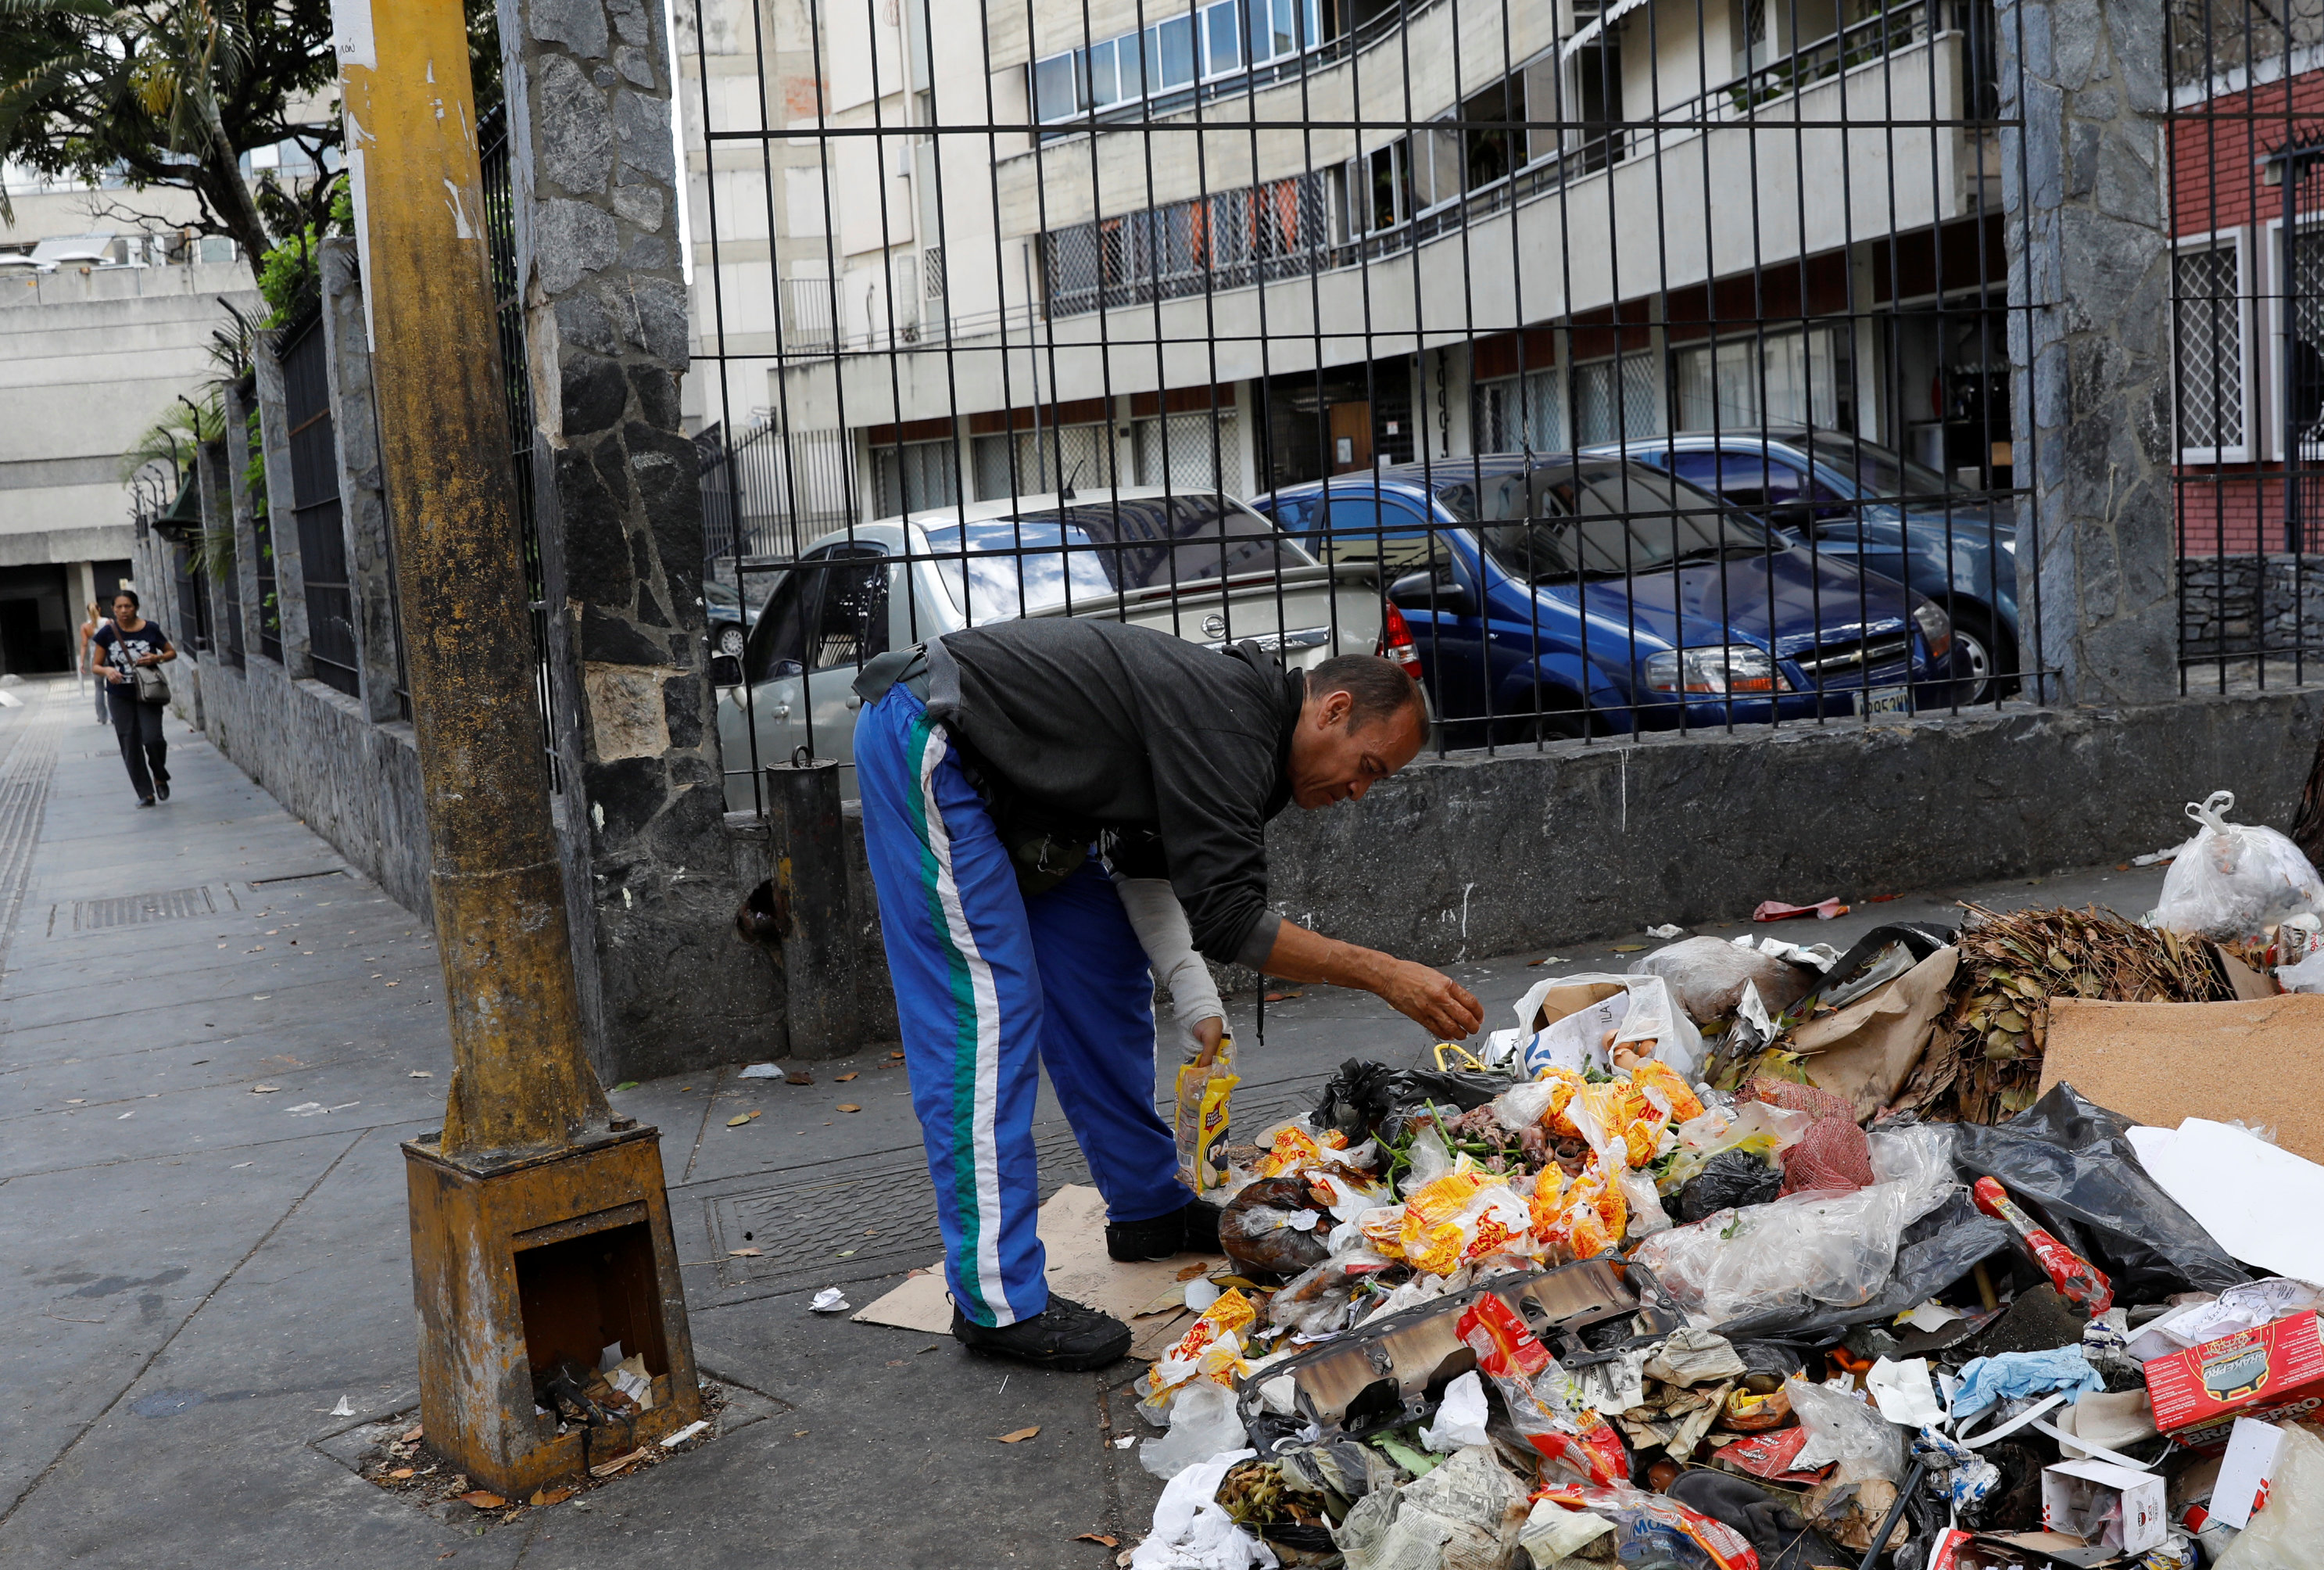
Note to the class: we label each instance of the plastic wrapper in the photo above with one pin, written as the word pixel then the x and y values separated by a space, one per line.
pixel 1653 1529
pixel 2066 1160
pixel 1542 1402
pixel 1200 1122
pixel 1666 1091
pixel 1729 1181
pixel 1211 1349
pixel 1584 1218
pixel 1192 1531
pixel 1810 1249
pixel 1845 1431
pixel 1918 1154
pixel 2232 880
pixel 2284 1534
pixel 1541 1101
pixel 1466 1215
pixel 1275 1227
pixel 1617 1121
pixel 1202 1424
pixel 1707 976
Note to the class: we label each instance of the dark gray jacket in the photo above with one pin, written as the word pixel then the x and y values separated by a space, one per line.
pixel 1180 749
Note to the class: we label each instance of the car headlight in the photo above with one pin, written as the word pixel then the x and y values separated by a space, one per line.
pixel 1720 668
pixel 1936 628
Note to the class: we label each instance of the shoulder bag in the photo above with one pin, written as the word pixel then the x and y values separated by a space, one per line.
pixel 151 685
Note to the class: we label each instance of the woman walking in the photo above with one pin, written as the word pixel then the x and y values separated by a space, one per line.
pixel 88 626
pixel 129 644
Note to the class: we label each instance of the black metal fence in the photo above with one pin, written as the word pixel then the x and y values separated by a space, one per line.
pixel 2247 141
pixel 1618 370
pixel 315 504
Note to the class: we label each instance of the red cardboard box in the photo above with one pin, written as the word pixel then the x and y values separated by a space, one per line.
pixel 2275 1373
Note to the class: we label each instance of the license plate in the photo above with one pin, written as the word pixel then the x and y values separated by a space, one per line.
pixel 1884 701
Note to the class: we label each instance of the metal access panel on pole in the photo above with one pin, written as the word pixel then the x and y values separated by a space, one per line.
pixel 541 1231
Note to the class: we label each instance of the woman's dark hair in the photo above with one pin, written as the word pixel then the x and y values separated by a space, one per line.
pixel 129 594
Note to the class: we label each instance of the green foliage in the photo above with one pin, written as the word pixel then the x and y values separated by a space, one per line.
pixel 172 437
pixel 290 275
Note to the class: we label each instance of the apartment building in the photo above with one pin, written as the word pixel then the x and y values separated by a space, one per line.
pixel 988 249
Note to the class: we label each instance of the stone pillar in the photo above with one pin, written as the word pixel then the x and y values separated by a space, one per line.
pixel 363 497
pixel 235 446
pixel 669 983
pixel 282 515
pixel 2088 226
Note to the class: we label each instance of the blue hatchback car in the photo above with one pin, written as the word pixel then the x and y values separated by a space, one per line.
pixel 1565 597
pixel 1858 501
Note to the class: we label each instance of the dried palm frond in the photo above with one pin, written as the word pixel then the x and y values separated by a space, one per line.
pixel 1984 1063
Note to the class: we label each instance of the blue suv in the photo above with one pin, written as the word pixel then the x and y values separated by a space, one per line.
pixel 1568 596
pixel 1858 501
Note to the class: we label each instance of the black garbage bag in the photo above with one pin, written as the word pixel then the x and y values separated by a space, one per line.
pixel 1372 1098
pixel 2066 1159
pixel 1729 1181
pixel 1275 1229
pixel 1935 1251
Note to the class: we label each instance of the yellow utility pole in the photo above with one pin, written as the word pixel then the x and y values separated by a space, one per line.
pixel 540 1226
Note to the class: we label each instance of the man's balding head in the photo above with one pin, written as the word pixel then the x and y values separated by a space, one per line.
pixel 1363 720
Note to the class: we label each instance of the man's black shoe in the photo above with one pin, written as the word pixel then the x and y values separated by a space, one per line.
pixel 1193 1228
pixel 161 789
pixel 1064 1336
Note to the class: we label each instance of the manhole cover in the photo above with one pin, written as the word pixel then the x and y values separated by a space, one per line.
pixel 135 910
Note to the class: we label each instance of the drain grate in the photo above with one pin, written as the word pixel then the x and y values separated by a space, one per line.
pixel 136 909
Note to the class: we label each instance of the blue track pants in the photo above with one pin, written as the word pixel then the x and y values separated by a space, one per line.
pixel 990 987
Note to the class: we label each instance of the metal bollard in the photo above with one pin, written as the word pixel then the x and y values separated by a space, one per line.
pixel 810 846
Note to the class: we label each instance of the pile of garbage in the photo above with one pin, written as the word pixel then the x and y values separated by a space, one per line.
pixel 1763 1255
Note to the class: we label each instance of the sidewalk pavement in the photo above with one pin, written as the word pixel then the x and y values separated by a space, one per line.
pixel 202 1268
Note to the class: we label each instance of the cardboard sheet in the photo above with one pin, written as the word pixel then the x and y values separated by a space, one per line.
pixel 1072 1233
pixel 2162 1063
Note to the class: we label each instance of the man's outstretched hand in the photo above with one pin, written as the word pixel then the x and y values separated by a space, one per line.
pixel 1449 1009
pixel 1431 998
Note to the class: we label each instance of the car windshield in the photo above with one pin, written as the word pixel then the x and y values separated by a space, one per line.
pixel 1599 519
pixel 717 596
pixel 1069 558
pixel 1877 471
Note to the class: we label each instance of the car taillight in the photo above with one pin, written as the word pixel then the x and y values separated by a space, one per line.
pixel 1397 644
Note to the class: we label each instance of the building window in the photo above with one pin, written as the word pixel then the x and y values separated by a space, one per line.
pixel 1521 414
pixel 1221 38
pixel 1751 380
pixel 1036 463
pixel 1170 55
pixel 1182 451
pixel 1060 87
pixel 914 475
pixel 2210 354
pixel 1616 401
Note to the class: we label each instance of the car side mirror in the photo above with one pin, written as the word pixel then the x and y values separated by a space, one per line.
pixel 1425 591
pixel 725 670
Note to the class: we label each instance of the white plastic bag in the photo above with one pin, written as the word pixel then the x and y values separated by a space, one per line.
pixel 2284 1535
pixel 1644 1010
pixel 1459 1417
pixel 1202 1424
pixel 1192 1531
pixel 1844 1429
pixel 1707 976
pixel 2232 880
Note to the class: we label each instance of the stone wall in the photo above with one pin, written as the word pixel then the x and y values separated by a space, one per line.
pixel 2235 605
pixel 354 782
